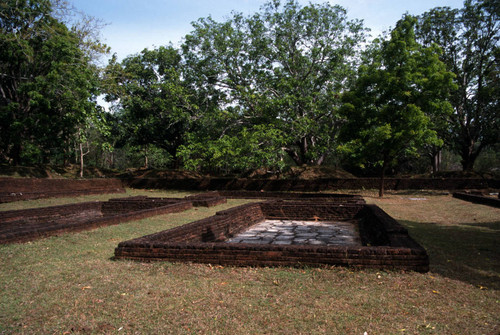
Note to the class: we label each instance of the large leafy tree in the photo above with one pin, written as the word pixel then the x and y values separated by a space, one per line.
pixel 156 109
pixel 281 69
pixel 469 38
pixel 250 149
pixel 388 109
pixel 48 83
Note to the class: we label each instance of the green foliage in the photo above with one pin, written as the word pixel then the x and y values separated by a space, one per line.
pixel 259 146
pixel 282 67
pixel 390 109
pixel 48 84
pixel 265 90
pixel 155 103
pixel 470 39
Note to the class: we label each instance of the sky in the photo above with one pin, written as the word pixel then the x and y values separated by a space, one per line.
pixel 132 25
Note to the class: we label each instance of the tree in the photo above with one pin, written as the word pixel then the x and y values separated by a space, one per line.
pixel 155 103
pixel 282 68
pixel 386 109
pixel 469 38
pixel 250 149
pixel 48 84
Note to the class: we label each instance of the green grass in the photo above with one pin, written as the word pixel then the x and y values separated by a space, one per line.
pixel 69 284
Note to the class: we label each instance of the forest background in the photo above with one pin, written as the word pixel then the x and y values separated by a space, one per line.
pixel 289 85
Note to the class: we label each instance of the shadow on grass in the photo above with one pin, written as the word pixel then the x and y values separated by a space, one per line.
pixel 468 252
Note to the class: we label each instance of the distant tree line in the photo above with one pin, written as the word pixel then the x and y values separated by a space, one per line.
pixel 288 85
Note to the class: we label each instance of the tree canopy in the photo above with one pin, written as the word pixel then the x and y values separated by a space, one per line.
pixel 283 69
pixel 48 85
pixel 154 102
pixel 289 85
pixel 470 39
pixel 388 110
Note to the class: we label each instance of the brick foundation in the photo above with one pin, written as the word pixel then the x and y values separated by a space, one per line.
pixel 386 244
pixel 15 189
pixel 317 185
pixel 316 197
pixel 30 224
pixel 478 199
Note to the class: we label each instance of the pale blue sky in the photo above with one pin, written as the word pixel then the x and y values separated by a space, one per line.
pixel 137 24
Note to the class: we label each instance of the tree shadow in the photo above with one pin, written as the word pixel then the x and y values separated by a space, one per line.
pixel 468 252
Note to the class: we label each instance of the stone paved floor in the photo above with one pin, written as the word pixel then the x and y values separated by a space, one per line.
pixel 300 232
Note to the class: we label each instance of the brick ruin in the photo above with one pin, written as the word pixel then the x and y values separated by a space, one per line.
pixel 30 224
pixel 385 243
pixel 478 198
pixel 316 185
pixel 15 189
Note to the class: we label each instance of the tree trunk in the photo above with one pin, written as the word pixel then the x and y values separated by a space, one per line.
pixel 176 162
pixel 294 156
pixel 469 156
pixel 436 158
pixel 468 163
pixel 321 159
pixel 81 159
pixel 382 178
pixel 299 155
pixel 16 153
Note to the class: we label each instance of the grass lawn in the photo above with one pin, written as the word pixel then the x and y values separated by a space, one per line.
pixel 68 284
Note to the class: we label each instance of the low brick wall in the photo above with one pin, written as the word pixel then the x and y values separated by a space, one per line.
pixel 478 199
pixel 15 189
pixel 286 185
pixel 31 224
pixel 299 210
pixel 316 197
pixel 125 206
pixel 203 241
pixel 212 229
pixel 208 199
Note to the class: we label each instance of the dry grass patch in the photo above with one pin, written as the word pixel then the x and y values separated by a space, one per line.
pixel 69 284
pixel 462 238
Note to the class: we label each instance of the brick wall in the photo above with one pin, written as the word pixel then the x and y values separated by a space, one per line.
pixel 316 197
pixel 215 228
pixel 15 189
pixel 30 224
pixel 478 199
pixel 202 241
pixel 125 206
pixel 312 185
pixel 308 210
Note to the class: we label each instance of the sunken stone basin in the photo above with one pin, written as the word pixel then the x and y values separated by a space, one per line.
pixel 313 234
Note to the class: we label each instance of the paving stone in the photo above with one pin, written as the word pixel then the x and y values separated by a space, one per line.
pixel 273 230
pixel 296 232
pixel 307 235
pixel 252 241
pixel 284 237
pixel 315 242
pixel 286 242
